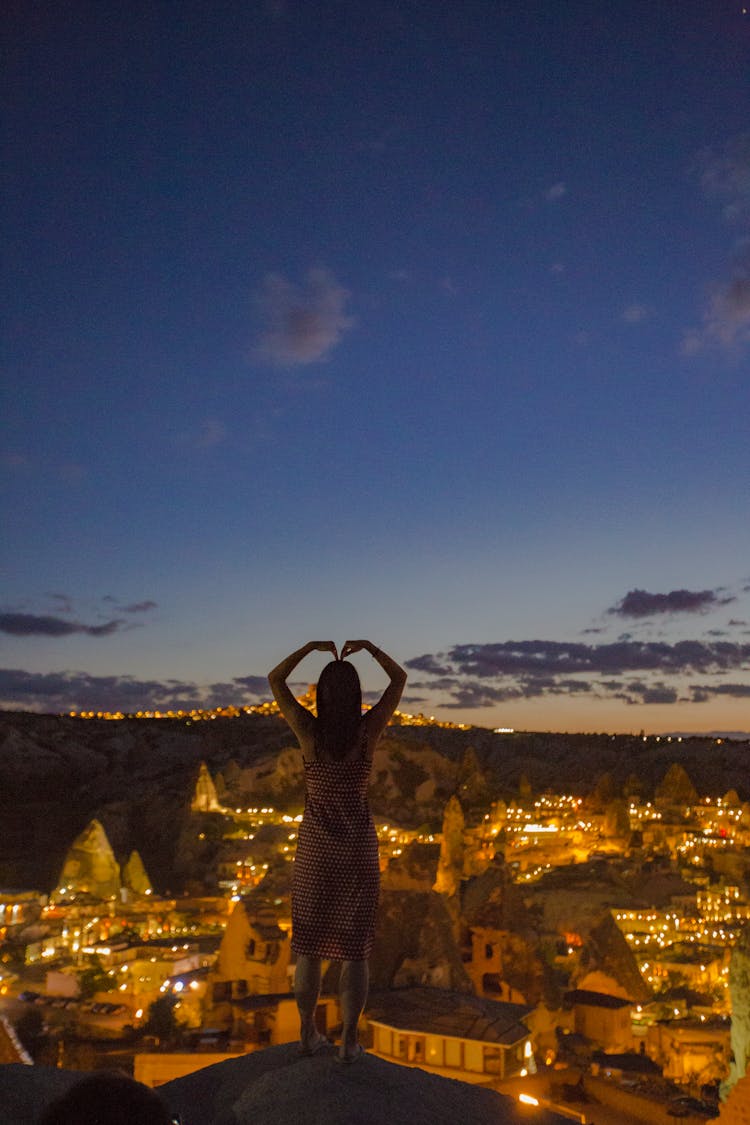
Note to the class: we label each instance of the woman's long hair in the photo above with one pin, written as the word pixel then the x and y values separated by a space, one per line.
pixel 339 707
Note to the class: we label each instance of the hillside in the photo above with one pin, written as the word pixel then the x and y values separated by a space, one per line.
pixel 137 777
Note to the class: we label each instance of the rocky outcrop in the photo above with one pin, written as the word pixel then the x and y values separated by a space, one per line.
pixel 90 867
pixel 676 788
pixel 205 798
pixel 616 821
pixel 415 943
pixel 278 1086
pixel 134 876
pixel 493 900
pixel 739 994
pixel 414 870
pixel 607 955
pixel 451 862
pixel 736 1109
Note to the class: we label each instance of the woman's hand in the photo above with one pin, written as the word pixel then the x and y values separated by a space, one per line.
pixel 351 647
pixel 324 646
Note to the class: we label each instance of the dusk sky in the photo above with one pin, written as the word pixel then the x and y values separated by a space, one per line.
pixel 420 321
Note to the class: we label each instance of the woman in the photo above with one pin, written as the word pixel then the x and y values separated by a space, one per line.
pixel 336 876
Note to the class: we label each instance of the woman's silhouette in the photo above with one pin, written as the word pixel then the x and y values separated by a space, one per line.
pixel 336 876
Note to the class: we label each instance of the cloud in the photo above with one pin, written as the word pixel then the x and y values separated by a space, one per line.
pixel 640 603
pixel 658 693
pixel 72 472
pixel 702 692
pixel 206 434
pixel 12 460
pixel 139 607
pixel 80 691
pixel 727 319
pixel 482 675
pixel 63 603
pixel 254 685
pixel 212 432
pixel 725 176
pixel 302 323
pixel 34 625
pixel 557 191
pixel 535 658
pixel 634 314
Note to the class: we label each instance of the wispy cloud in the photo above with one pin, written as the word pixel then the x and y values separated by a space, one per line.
pixel 301 323
pixel 725 177
pixel 212 432
pixel 139 607
pixel 62 602
pixel 14 461
pixel 206 434
pixel 38 625
pixel 635 313
pixel 640 603
pixel 556 191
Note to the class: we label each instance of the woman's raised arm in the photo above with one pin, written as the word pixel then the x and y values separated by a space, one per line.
pixel 298 717
pixel 376 719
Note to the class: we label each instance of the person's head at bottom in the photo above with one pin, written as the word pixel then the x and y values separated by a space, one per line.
pixel 107 1098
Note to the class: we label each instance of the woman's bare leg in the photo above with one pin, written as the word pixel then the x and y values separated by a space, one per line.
pixel 353 984
pixel 306 993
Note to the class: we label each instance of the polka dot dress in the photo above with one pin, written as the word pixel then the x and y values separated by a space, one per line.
pixel 336 877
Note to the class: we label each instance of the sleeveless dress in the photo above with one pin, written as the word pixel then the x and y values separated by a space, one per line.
pixel 336 875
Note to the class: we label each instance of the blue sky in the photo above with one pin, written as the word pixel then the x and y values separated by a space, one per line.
pixel 418 321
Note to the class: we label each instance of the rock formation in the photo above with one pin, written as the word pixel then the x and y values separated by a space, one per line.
pixel 676 788
pixel 414 870
pixel 415 942
pixel 277 1086
pixel 134 876
pixel 739 994
pixel 451 862
pixel 493 899
pixel 205 798
pixel 471 781
pixel 736 1109
pixel 607 964
pixel 90 867
pixel 616 820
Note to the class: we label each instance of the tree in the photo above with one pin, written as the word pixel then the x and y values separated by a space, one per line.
pixel 161 1021
pixel 94 979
